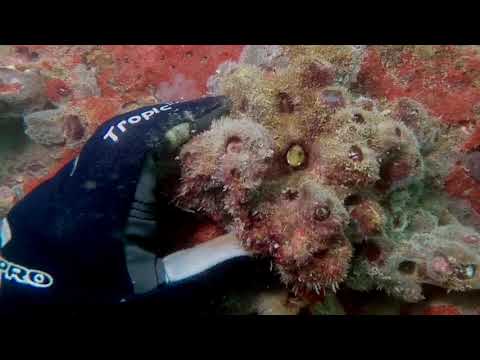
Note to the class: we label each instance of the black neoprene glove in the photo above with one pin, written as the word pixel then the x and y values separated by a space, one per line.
pixel 65 241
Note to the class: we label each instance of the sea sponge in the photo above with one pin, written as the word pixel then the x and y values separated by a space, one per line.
pixel 312 174
pixel 446 256
pixel 21 92
pixel 222 166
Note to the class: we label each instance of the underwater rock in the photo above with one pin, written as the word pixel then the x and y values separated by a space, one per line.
pixel 84 82
pixel 46 127
pixel 181 89
pixel 74 129
pixel 461 185
pixel 268 57
pixel 21 92
pixel 58 91
pixel 473 165
pixel 276 302
pixel 442 78
pixel 337 190
pixel 441 303
pixel 329 306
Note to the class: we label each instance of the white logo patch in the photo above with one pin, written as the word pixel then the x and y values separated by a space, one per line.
pixel 132 120
pixel 22 275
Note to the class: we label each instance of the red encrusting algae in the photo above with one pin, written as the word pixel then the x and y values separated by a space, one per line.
pixel 126 77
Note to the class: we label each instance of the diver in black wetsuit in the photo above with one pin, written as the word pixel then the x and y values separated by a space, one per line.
pixel 75 238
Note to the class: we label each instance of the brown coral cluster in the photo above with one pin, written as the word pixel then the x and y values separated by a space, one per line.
pixel 284 168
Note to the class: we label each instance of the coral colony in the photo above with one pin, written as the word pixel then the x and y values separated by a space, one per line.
pixel 336 186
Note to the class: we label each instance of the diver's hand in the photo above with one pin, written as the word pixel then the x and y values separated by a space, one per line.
pixel 187 268
pixel 186 263
pixel 195 280
pixel 65 240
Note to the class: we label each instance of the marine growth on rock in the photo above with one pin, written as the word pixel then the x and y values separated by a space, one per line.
pixel 347 166
pixel 333 185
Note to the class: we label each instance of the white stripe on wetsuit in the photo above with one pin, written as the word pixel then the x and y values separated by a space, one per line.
pixel 185 263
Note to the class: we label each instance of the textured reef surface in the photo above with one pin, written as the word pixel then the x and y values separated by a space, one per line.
pixel 339 179
pixel 52 98
pixel 355 169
